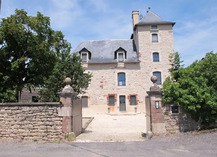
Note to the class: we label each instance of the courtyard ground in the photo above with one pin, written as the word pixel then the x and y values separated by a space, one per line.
pixel 113 127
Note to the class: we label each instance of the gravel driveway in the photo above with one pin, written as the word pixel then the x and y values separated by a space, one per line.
pixel 120 127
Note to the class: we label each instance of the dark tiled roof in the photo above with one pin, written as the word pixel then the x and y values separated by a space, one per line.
pixel 152 18
pixel 103 51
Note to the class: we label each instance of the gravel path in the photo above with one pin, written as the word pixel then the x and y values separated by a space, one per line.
pixel 122 127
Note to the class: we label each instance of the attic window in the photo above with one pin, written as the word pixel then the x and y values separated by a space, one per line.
pixel 154 27
pixel 120 55
pixel 85 55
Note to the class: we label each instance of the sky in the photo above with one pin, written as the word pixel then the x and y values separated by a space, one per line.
pixel 195 31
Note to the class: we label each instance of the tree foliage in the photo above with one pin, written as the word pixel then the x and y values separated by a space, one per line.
pixel 195 89
pixel 68 65
pixel 33 55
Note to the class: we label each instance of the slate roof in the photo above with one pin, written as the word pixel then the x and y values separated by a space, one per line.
pixel 152 18
pixel 103 51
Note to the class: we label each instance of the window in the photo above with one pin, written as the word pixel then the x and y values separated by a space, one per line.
pixel 155 57
pixel 121 79
pixel 154 27
pixel 111 100
pixel 84 101
pixel 120 54
pixel 84 57
pixel 133 100
pixel 154 38
pixel 175 109
pixel 158 74
pixel 120 57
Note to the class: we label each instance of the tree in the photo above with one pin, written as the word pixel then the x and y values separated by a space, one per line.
pixel 28 51
pixel 195 89
pixel 68 65
pixel 176 64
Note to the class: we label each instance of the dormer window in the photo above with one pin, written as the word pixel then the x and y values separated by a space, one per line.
pixel 85 55
pixel 120 55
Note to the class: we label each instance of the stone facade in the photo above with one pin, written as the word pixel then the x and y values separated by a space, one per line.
pixel 105 68
pixel 30 122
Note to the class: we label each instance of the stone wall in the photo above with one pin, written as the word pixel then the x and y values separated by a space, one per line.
pixel 36 121
pixel 179 122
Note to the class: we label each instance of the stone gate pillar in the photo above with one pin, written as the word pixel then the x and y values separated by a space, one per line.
pixel 66 97
pixel 155 120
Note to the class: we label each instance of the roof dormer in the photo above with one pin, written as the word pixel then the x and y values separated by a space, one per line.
pixel 120 54
pixel 85 55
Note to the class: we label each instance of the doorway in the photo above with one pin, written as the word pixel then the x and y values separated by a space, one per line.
pixel 122 103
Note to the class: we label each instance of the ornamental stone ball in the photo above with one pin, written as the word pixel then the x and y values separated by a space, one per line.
pixel 68 88
pixel 67 80
pixel 154 87
pixel 154 79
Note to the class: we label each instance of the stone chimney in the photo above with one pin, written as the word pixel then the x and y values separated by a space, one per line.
pixel 135 17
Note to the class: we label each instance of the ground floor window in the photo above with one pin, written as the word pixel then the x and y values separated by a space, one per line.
pixel 132 99
pixel 175 109
pixel 111 100
pixel 84 100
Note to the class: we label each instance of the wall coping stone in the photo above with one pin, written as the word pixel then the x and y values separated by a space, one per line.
pixel 32 104
pixel 157 92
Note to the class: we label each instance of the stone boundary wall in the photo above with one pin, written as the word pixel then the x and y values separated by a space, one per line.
pixel 32 121
pixel 179 122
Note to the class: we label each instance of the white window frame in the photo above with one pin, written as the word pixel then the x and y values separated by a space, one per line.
pixel 157 37
pixel 84 53
pixel 120 59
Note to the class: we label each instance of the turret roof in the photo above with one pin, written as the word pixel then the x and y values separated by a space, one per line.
pixel 152 18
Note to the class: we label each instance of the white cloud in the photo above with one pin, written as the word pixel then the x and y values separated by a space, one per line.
pixel 193 39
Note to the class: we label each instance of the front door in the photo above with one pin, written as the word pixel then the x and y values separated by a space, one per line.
pixel 122 103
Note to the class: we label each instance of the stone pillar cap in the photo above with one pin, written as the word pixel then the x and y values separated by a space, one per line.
pixel 68 88
pixel 154 87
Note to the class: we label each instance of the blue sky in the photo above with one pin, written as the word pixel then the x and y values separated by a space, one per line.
pixel 195 32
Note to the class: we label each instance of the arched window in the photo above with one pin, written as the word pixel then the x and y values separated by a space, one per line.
pixel 155 57
pixel 158 74
pixel 121 79
pixel 154 38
